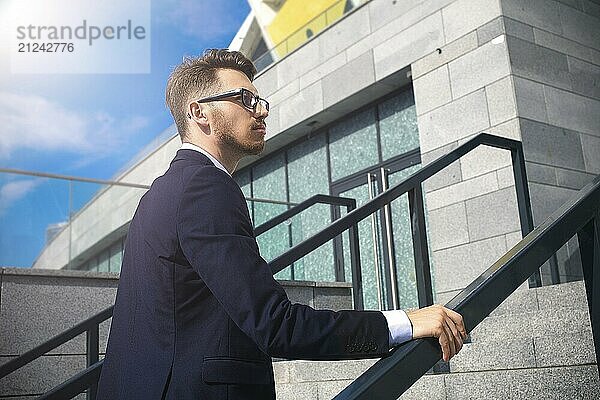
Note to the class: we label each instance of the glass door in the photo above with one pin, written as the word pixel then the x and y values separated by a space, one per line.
pixel 385 238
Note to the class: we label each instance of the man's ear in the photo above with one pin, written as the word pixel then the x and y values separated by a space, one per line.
pixel 197 113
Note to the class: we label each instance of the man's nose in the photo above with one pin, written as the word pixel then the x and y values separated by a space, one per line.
pixel 261 111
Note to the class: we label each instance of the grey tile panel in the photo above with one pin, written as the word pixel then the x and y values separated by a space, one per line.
pixel 572 111
pixel 579 26
pixel 492 214
pixel 479 12
pixel 551 145
pixel 591 153
pixel 540 173
pixel 490 30
pixel 530 98
pixel 348 79
pixel 539 13
pixel 478 68
pixel 574 348
pixel 546 199
pixel 538 63
pixel 449 52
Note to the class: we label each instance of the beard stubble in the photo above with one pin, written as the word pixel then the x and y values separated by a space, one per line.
pixel 223 131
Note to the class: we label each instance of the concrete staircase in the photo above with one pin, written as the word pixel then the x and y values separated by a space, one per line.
pixel 536 345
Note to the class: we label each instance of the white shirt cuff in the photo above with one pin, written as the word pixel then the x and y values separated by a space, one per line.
pixel 399 326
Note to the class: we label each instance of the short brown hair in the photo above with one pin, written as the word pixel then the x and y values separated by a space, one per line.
pixel 197 77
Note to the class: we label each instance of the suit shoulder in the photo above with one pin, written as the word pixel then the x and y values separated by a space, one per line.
pixel 213 202
pixel 211 178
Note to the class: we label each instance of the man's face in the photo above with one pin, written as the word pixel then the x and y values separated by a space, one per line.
pixel 236 128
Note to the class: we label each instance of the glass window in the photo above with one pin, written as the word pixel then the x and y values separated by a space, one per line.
pixel 308 175
pixel 116 256
pixel 92 265
pixel 243 179
pixel 270 183
pixel 317 265
pixel 403 243
pixel 353 144
pixel 398 125
pixel 371 253
pixel 103 261
pixel 307 169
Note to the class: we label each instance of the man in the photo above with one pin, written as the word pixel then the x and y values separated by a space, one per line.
pixel 198 314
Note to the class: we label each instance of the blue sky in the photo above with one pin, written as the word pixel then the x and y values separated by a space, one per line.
pixel 91 124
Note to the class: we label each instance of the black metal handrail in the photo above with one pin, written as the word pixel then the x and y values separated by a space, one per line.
pixel 350 205
pixel 393 375
pixel 412 186
pixel 88 325
pixel 88 378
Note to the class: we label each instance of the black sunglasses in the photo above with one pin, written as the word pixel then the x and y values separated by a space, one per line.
pixel 249 99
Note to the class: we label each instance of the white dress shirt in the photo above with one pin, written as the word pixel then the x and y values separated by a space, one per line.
pixel 217 163
pixel 399 325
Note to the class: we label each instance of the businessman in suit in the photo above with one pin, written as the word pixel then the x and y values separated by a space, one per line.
pixel 198 314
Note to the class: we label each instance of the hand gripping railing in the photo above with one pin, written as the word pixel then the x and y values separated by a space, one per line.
pixel 391 376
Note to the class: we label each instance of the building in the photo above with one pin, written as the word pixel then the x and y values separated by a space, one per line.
pixel 359 103
pixel 386 87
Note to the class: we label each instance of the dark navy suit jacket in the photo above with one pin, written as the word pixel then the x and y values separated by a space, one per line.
pixel 198 314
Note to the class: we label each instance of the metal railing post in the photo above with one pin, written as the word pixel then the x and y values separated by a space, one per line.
pixel 589 247
pixel 355 265
pixel 420 247
pixel 393 294
pixel 92 356
pixel 554 273
pixel 70 219
pixel 523 201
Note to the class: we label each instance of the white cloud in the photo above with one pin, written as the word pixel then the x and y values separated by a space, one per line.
pixel 14 191
pixel 202 19
pixel 135 123
pixel 34 122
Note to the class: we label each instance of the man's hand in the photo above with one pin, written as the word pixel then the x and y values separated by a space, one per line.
pixel 442 323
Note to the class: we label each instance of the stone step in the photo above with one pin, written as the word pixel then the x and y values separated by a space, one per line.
pixel 538 344
pixel 532 324
pixel 569 295
pixel 325 379
pixel 552 350
pixel 575 382
pixel 571 382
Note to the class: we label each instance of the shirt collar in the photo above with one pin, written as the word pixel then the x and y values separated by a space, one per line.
pixel 190 146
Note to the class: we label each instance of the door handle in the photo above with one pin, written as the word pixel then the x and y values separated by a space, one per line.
pixel 387 213
pixel 375 247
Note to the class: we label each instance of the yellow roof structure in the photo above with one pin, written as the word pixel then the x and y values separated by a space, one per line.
pixel 299 20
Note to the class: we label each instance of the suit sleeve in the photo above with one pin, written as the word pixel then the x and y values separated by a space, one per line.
pixel 217 239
